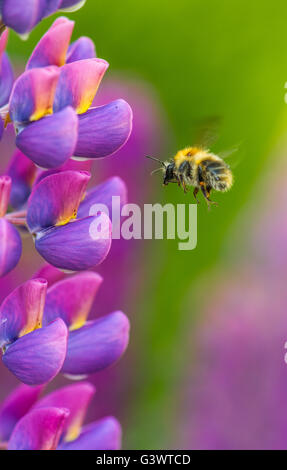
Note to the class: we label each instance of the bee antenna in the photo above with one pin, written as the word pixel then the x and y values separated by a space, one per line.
pixel 157 160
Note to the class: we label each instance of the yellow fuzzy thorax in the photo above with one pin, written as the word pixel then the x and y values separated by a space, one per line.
pixel 195 154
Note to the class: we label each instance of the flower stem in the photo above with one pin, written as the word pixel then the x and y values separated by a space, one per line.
pixel 17 214
pixel 16 220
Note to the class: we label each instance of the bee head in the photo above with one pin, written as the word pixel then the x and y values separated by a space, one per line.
pixel 169 173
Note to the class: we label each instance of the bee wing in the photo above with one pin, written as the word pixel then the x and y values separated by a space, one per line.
pixel 206 131
pixel 233 155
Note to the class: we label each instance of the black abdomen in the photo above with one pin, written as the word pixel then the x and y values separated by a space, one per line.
pixel 215 173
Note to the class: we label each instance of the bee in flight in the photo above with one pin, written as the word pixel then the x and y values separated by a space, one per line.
pixel 197 167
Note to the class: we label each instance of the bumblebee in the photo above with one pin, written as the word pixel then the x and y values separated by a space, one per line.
pixel 197 167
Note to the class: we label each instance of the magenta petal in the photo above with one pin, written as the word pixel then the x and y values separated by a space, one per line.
pixel 76 399
pixel 53 46
pixel 50 141
pixel 33 94
pixel 3 42
pixel 104 434
pixel 78 84
pixel 55 200
pixel 103 194
pixel 5 191
pixel 22 311
pixel 50 273
pixel 71 299
pixel 10 247
pixel 39 430
pixel 37 357
pixel 104 130
pixel 22 172
pixel 83 48
pixel 76 246
pixel 96 345
pixel 18 403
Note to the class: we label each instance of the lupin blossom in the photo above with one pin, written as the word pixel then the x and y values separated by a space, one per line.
pixel 51 103
pixel 55 422
pixel 10 240
pixel 61 238
pixel 44 326
pixel 92 345
pixel 24 16
pixel 32 352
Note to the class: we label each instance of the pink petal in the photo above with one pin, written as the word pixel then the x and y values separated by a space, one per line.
pixel 53 46
pixel 78 84
pixel 71 299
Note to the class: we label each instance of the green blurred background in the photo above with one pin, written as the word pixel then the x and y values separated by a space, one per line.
pixel 204 58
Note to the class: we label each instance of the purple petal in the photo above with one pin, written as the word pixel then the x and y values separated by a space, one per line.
pixel 104 434
pixel 104 130
pixel 18 403
pixel 22 311
pixel 50 141
pixel 22 172
pixel 50 273
pixel 83 48
pixel 78 84
pixel 71 299
pixel 55 200
pixel 103 194
pixel 76 399
pixel 53 46
pixel 37 357
pixel 51 6
pixel 76 246
pixel 6 71
pixel 39 430
pixel 10 247
pixel 71 3
pixel 33 95
pixel 23 20
pixel 96 345
pixel 6 80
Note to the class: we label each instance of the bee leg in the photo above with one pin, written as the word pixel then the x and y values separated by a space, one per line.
pixel 184 174
pixel 195 193
pixel 182 183
pixel 206 194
